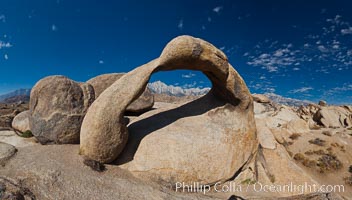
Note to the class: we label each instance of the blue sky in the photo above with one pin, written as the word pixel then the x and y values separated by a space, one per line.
pixel 298 49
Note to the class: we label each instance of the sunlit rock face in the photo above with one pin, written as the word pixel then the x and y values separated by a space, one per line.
pixel 206 140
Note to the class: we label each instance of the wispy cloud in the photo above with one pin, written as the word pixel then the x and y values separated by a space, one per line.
pixel 329 48
pixel 6 57
pixel 101 62
pixel 217 9
pixel 301 90
pixel 5 44
pixel 273 59
pixel 189 75
pixel 346 31
pixel 180 24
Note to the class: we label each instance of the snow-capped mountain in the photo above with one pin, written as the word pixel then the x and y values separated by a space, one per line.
pixel 159 87
pixel 286 101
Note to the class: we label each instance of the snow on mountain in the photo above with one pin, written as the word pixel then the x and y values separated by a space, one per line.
pixel 159 87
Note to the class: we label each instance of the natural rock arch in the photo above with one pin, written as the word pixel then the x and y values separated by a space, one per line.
pixel 104 133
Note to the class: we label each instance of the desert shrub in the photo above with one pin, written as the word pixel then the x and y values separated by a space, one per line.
pixel 317 141
pixel 27 134
pixel 316 152
pixel 299 157
pixel 94 165
pixel 271 177
pixel 329 162
pixel 350 169
pixel 340 146
pixel 309 163
pixel 295 136
pixel 348 180
pixel 327 133
pixel 248 181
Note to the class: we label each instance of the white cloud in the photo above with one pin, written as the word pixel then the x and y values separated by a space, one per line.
pixel 101 61
pixel 2 18
pixel 180 24
pixel 222 48
pixel 53 27
pixel 322 48
pixel 189 85
pixel 209 19
pixel 217 9
pixel 5 44
pixel 346 31
pixel 296 69
pixel 6 57
pixel 301 90
pixel 189 75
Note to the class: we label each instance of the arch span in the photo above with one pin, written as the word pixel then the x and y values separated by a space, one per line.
pixel 104 133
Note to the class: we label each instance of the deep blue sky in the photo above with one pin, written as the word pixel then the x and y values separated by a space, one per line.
pixel 299 49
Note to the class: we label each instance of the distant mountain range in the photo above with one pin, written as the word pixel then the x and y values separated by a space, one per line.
pixel 16 96
pixel 286 101
pixel 159 87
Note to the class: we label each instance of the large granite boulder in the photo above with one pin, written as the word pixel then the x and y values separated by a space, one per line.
pixel 21 121
pixel 58 106
pixel 205 141
pixel 333 117
pixel 298 126
pixel 260 98
pixel 100 83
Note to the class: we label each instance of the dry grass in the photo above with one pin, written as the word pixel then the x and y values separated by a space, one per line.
pixel 295 136
pixel 327 133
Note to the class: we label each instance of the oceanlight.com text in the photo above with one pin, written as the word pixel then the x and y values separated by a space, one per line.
pixel 258 187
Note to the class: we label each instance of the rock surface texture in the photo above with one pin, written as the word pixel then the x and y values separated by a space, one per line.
pixel 260 98
pixel 206 140
pixel 100 83
pixel 333 117
pixel 6 152
pixel 57 107
pixel 21 121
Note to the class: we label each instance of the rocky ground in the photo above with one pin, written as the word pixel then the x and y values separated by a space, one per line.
pixel 291 151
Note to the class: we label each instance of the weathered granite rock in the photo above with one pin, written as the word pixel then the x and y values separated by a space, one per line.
pixel 260 98
pixel 265 136
pixel 21 121
pixel 333 117
pixel 322 103
pixel 298 126
pixel 100 83
pixel 227 142
pixel 58 106
pixel 6 152
pixel 57 172
pixel 10 137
